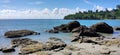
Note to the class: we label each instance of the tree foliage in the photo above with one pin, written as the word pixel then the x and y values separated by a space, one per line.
pixel 113 14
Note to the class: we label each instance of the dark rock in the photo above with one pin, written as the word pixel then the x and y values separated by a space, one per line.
pixel 85 31
pixel 54 39
pixel 89 32
pixel 61 27
pixel 73 24
pixel 102 27
pixel 78 29
pixel 90 41
pixel 87 39
pixel 76 38
pixel 0 49
pixel 52 31
pixel 19 33
pixel 8 50
pixel 67 27
pixel 118 28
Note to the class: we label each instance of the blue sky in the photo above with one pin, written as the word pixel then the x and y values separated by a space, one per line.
pixel 50 8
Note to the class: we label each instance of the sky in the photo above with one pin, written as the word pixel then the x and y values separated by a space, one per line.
pixel 50 9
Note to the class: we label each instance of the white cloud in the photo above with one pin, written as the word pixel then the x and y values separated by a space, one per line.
pixel 38 14
pixel 96 7
pixel 99 8
pixel 110 9
pixel 88 2
pixel 35 3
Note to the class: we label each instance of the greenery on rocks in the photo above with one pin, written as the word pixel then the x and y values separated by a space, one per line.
pixel 96 15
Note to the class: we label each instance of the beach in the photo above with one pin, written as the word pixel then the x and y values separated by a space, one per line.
pixel 68 47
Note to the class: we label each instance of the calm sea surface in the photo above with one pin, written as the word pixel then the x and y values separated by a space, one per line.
pixel 41 25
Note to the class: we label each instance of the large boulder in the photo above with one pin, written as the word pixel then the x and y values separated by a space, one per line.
pixel 73 24
pixel 67 27
pixel 102 27
pixel 19 33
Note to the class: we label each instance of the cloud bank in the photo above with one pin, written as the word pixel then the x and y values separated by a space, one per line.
pixel 96 7
pixel 56 13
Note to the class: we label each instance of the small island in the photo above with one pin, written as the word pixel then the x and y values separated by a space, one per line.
pixel 96 15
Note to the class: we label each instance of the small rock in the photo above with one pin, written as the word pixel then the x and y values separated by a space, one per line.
pixel 8 50
pixel 0 49
pixel 105 52
pixel 118 28
pixel 52 31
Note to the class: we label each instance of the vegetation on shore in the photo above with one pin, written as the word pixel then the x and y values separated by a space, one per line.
pixel 97 15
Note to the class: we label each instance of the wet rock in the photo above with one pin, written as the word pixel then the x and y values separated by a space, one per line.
pixel 54 43
pixel 67 27
pixel 8 50
pixel 90 33
pixel 76 38
pixel 0 49
pixel 62 27
pixel 19 33
pixel 102 27
pixel 54 39
pixel 78 29
pixel 85 31
pixel 86 39
pixel 118 28
pixel 73 24
pixel 52 31
pixel 22 42
pixel 89 40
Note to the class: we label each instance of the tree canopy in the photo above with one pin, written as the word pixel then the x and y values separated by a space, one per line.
pixel 97 15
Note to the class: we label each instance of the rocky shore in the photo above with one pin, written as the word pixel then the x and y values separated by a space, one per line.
pixel 85 41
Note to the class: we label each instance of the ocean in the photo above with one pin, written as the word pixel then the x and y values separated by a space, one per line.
pixel 41 25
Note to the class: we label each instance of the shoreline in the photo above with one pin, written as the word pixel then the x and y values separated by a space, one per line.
pixel 57 46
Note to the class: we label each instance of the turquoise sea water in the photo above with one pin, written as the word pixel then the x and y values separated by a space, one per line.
pixel 41 25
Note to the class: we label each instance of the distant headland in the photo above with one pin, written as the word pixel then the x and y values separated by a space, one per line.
pixel 96 15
